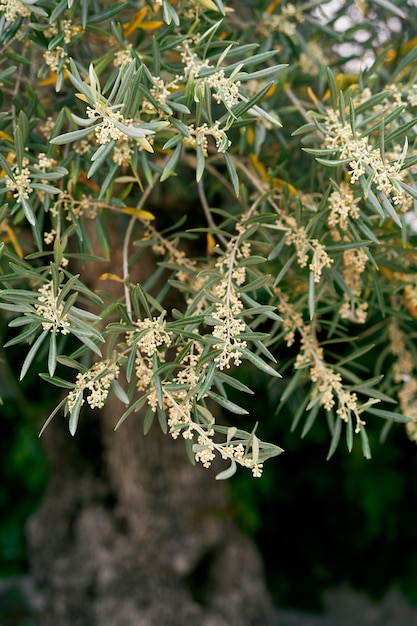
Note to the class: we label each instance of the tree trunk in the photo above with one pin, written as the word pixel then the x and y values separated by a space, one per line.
pixel 130 534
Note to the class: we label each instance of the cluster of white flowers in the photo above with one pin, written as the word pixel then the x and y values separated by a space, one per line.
pixel 74 208
pixel 285 22
pixel 229 325
pixel 180 401
pixel 228 305
pixel 123 57
pixel 226 89
pixel 237 453
pixel 49 236
pixel 304 246
pixel 412 95
pixel 97 381
pixel 327 383
pixel 20 183
pixel 320 260
pixel 312 59
pixel 114 126
pixel 13 9
pixel 122 152
pixel 45 162
pixel 354 263
pixel 193 65
pixel 328 386
pixel 199 136
pixel 160 91
pixel 107 130
pixel 205 452
pixel 154 337
pixel 68 29
pixel 358 149
pixel 54 57
pixel 49 309
pixel 342 205
pixel 292 320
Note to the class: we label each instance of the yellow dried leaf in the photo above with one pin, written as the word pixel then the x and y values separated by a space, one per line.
pixel 211 243
pixel 280 184
pixel 271 8
pixel 152 25
pixel 343 81
pixel 141 213
pixel 250 135
pixel 270 91
pixel 4 135
pixel 52 78
pixel 134 23
pixel 313 96
pixel 13 241
pixel 109 276
pixel 259 167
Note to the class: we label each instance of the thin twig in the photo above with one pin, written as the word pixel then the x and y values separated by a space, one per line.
pixel 207 213
pixel 297 103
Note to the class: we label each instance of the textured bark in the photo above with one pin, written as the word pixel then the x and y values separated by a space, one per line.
pixel 130 534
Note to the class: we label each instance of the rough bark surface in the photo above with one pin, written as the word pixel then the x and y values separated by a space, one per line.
pixel 130 534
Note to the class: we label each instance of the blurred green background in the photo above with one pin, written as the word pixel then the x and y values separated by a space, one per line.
pixel 323 523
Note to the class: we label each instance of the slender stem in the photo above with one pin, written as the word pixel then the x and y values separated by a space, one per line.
pixel 297 103
pixel 208 215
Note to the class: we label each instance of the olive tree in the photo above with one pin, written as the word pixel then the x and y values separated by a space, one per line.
pixel 187 187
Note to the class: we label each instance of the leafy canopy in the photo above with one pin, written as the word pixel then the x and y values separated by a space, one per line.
pixel 300 261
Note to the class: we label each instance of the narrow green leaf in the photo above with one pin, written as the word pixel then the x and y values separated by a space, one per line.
pixel 54 412
pixel 148 420
pixel 52 353
pixel 75 413
pixel 365 444
pixel 231 433
pixel 171 166
pixel 86 341
pixel 29 214
pixel 233 382
pixel 119 391
pixel 105 14
pixel 133 408
pixel 311 418
pixel 260 364
pixel 201 163
pixel 72 136
pixel 227 473
pixel 227 404
pixel 19 146
pixel 208 380
pixel 335 438
pixel 389 415
pixel 32 353
pixel 58 382
pixel 232 172
pixel 349 433
pixel 100 156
